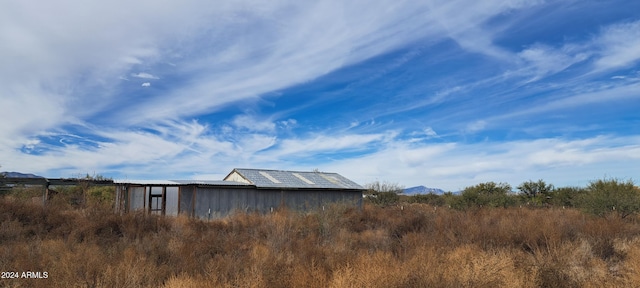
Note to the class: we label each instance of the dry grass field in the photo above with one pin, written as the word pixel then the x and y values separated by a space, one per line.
pixel 414 245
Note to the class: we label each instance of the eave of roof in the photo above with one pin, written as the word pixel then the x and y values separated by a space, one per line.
pixel 178 182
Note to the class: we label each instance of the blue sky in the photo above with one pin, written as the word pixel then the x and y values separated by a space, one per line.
pixel 445 94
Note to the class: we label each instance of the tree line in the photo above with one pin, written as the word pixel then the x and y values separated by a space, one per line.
pixel 602 197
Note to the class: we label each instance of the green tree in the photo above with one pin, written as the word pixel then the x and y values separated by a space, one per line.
pixel 566 196
pixel 611 196
pixel 383 193
pixel 94 194
pixel 431 199
pixel 102 195
pixel 487 194
pixel 537 193
pixel 3 188
pixel 452 200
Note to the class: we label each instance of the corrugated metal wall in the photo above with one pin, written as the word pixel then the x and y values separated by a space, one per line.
pixel 172 201
pixel 219 202
pixel 186 199
pixel 209 202
pixel 137 198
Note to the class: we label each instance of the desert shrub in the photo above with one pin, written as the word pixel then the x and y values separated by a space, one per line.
pixel 566 196
pixel 101 195
pixel 611 197
pixel 450 199
pixel 414 245
pixel 536 193
pixel 69 195
pixel 431 199
pixel 383 198
pixel 378 186
pixel 489 194
pixel 26 192
pixel 383 193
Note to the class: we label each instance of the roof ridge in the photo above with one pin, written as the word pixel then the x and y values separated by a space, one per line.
pixel 280 170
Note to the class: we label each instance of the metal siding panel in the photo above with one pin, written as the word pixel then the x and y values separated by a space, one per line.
pixel 216 198
pixel 223 201
pixel 202 204
pixel 186 198
pixel 224 205
pixel 240 201
pixel 234 201
pixel 253 201
pixel 226 200
pixel 270 198
pixel 137 198
pixel 291 200
pixel 171 207
pixel 214 201
pixel 259 198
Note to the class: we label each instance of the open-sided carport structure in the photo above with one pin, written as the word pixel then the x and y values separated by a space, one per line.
pixel 242 190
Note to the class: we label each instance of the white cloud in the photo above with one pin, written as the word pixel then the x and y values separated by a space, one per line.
pixel 57 73
pixel 289 123
pixel 31 144
pixel 230 51
pixel 328 143
pixel 544 60
pixel 27 115
pixel 454 166
pixel 582 97
pixel 476 126
pixel 464 22
pixel 53 59
pixel 252 124
pixel 430 132
pixel 143 75
pixel 620 45
pixel 175 149
pixel 305 42
pixel 250 144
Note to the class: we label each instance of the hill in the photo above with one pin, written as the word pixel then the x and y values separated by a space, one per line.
pixel 422 190
pixel 19 175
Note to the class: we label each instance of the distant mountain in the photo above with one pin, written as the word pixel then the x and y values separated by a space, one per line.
pixel 19 175
pixel 423 190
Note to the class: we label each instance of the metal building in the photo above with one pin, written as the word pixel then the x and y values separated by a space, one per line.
pixel 242 190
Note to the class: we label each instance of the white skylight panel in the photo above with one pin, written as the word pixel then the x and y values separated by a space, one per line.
pixel 303 179
pixel 271 178
pixel 330 178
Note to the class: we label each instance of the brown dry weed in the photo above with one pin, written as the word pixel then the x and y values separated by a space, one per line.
pixel 411 246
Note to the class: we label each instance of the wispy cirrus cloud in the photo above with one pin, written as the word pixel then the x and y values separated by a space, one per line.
pixel 542 60
pixel 144 75
pixel 454 166
pixel 247 122
pixel 357 87
pixel 188 147
pixel 619 45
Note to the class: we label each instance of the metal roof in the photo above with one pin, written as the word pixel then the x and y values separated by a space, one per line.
pixel 295 179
